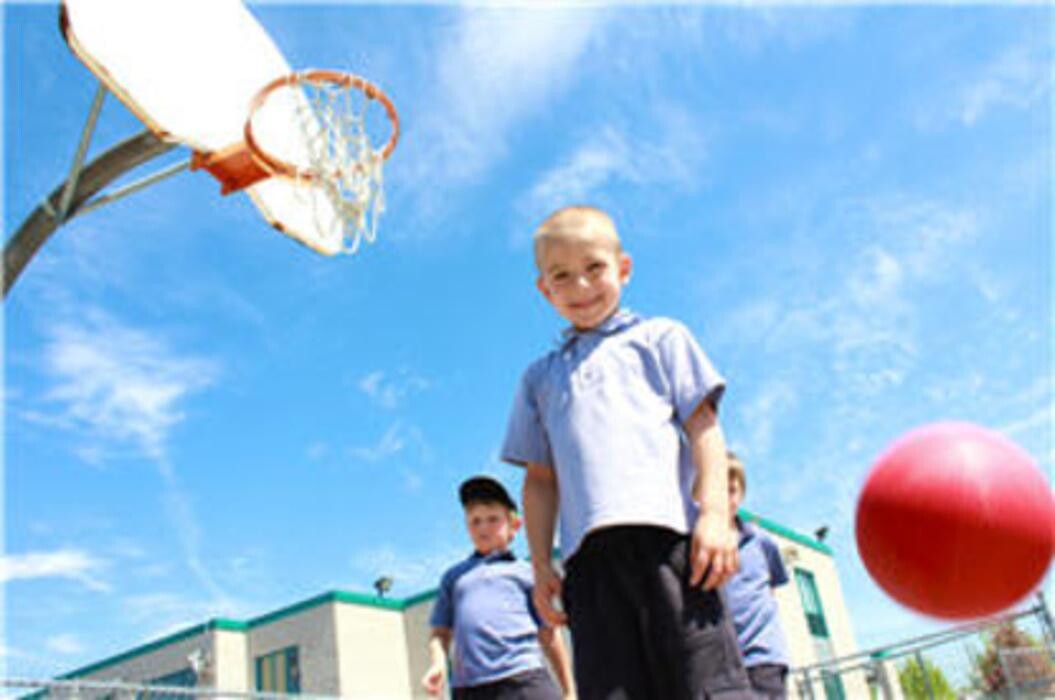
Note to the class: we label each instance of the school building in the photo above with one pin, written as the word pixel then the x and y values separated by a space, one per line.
pixel 356 645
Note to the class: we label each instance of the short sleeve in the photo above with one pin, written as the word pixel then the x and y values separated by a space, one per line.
pixel 778 575
pixel 443 608
pixel 690 374
pixel 526 439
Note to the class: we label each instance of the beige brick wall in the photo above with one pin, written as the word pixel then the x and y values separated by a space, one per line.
pixel 373 662
pixel 313 632
pixel 161 661
pixel 416 621
pixel 230 651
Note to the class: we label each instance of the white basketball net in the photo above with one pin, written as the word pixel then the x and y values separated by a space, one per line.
pixel 342 163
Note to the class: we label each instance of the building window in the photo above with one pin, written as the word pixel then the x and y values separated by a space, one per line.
pixel 279 671
pixel 811 603
pixel 822 643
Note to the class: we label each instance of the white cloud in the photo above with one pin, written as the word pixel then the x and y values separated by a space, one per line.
pixel 73 564
pixel 119 384
pixel 317 451
pixel 389 389
pixel 66 644
pixel 399 438
pixel 612 155
pixel 1019 77
pixel 496 68
pixel 761 414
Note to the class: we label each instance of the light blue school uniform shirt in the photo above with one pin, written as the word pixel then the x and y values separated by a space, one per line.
pixel 750 598
pixel 605 410
pixel 486 601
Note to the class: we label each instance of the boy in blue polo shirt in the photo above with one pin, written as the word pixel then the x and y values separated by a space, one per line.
pixel 751 601
pixel 618 431
pixel 484 607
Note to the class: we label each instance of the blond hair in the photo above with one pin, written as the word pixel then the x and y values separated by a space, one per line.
pixel 736 470
pixel 576 222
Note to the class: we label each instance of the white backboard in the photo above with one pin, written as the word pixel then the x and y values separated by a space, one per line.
pixel 188 69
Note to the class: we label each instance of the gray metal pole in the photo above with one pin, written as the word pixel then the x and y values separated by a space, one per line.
pixel 43 221
pixel 882 679
pixel 82 150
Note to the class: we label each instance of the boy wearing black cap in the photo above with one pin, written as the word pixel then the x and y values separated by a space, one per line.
pixel 484 607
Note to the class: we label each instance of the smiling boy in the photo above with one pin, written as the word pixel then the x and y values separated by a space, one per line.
pixel 617 429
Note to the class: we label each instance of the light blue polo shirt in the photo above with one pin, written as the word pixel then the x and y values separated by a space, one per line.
pixel 486 601
pixel 751 602
pixel 605 410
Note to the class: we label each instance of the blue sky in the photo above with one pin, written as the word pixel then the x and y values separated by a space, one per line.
pixel 850 206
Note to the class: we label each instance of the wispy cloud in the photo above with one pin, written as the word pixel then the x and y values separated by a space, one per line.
pixel 1018 77
pixel 400 438
pixel 66 644
pixel 496 67
pixel 761 414
pixel 852 335
pixel 119 384
pixel 388 389
pixel 74 564
pixel 612 155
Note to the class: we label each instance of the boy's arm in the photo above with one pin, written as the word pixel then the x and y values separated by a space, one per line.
pixel 714 543
pixel 436 675
pixel 540 517
pixel 553 647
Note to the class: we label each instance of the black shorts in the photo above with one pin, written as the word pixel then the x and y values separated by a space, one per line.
pixel 536 684
pixel 769 681
pixel 639 630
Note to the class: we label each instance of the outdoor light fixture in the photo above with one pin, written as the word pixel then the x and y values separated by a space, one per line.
pixel 383 585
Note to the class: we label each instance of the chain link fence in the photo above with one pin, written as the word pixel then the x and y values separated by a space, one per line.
pixel 83 689
pixel 1008 657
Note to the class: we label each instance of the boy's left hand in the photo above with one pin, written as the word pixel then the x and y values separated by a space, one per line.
pixel 714 551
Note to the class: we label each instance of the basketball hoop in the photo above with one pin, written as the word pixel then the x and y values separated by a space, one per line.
pixel 313 128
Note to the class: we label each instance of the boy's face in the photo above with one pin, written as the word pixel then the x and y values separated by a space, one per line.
pixel 583 278
pixel 736 495
pixel 491 526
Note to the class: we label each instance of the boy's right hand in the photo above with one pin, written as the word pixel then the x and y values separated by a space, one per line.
pixel 434 679
pixel 547 588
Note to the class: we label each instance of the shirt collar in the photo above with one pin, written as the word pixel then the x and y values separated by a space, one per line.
pixel 747 529
pixel 621 319
pixel 507 555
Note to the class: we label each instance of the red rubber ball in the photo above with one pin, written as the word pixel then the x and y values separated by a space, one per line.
pixel 956 521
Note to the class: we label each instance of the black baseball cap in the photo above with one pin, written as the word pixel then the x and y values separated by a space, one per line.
pixel 484 489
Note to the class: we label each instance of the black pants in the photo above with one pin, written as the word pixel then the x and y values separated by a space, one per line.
pixel 529 685
pixel 639 631
pixel 769 681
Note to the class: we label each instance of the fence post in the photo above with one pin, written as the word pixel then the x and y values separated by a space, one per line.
pixel 883 680
pixel 926 676
pixel 806 683
pixel 1045 622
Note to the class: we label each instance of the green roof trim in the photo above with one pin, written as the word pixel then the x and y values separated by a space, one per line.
pixel 215 624
pixel 420 598
pixel 786 532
